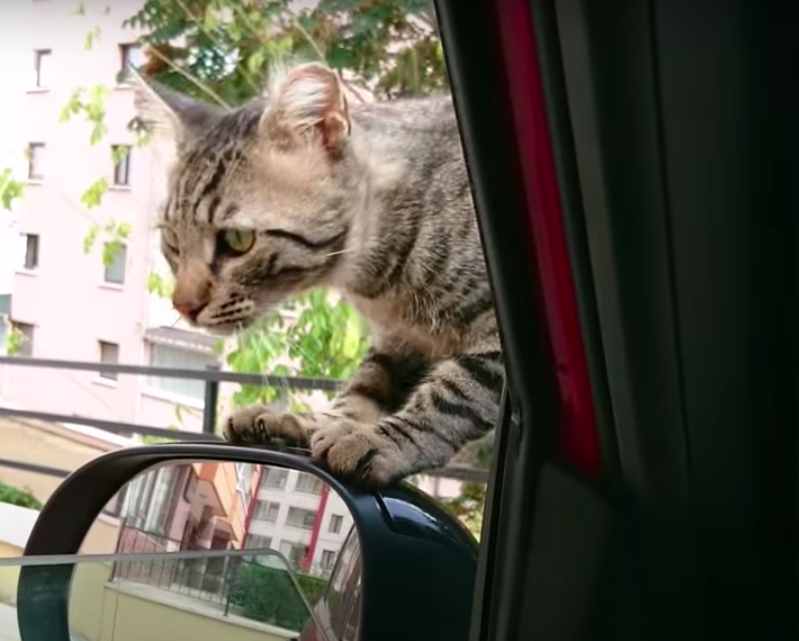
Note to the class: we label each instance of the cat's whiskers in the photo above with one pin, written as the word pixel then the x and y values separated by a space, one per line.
pixel 341 251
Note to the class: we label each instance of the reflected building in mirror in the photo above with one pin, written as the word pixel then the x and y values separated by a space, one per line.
pixel 220 506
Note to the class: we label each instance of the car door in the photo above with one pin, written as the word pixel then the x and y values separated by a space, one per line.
pixel 623 156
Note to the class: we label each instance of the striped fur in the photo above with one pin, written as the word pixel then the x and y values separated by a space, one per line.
pixel 371 200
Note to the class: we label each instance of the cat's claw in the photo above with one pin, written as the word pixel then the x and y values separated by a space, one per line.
pixel 257 425
pixel 357 451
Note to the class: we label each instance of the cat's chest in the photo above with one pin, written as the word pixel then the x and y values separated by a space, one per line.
pixel 410 322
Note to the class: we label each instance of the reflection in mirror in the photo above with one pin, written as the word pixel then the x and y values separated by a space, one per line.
pixel 259 548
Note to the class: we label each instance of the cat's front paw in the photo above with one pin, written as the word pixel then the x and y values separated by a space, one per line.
pixel 361 452
pixel 257 425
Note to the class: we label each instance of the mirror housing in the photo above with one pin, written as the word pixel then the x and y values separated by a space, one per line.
pixel 418 562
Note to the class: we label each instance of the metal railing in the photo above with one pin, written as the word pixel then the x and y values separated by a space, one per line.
pixel 199 578
pixel 212 377
pixel 217 581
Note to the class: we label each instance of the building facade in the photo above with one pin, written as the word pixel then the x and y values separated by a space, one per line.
pixel 66 301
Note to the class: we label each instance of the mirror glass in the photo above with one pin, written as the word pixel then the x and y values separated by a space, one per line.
pixel 219 551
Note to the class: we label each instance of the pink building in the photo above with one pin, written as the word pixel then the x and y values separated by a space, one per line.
pixel 66 302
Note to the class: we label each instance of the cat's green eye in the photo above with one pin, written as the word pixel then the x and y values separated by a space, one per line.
pixel 239 241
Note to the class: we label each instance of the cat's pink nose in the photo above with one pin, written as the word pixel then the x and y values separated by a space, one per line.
pixel 192 290
pixel 190 308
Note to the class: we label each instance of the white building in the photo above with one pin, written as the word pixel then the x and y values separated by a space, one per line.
pixel 301 517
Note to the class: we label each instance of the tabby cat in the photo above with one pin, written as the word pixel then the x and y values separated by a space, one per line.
pixel 302 189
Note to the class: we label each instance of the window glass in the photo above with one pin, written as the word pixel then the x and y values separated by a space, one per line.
pixel 4 327
pixel 335 523
pixel 131 57
pixel 36 161
pixel 301 518
pixel 117 257
pixel 31 251
pixel 276 478
pixel 266 511
pixel 41 67
pixel 121 157
pixel 109 354
pixel 309 484
pixel 258 542
pixel 26 334
pixel 173 357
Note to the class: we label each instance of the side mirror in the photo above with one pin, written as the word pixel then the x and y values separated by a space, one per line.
pixel 243 543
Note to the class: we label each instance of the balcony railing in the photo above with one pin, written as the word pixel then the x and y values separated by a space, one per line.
pixel 212 378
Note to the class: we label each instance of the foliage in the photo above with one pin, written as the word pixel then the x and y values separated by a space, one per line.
pixel 10 188
pixel 15 339
pixel 15 496
pixel 325 341
pixel 468 506
pixel 224 49
pixel 269 595
pixel 89 102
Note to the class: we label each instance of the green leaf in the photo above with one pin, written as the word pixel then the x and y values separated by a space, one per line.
pixel 124 230
pixel 160 285
pixel 111 250
pixel 91 38
pixel 10 189
pixel 91 238
pixel 15 339
pixel 93 196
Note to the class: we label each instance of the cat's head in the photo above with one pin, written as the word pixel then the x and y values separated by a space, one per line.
pixel 259 205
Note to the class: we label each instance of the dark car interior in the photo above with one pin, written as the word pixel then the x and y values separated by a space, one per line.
pixel 657 139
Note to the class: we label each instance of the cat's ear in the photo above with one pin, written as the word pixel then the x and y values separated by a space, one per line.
pixel 169 114
pixel 308 104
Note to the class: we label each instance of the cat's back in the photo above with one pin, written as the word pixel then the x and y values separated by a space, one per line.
pixel 420 126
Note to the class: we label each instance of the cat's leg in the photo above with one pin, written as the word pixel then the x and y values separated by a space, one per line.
pixel 457 402
pixel 379 386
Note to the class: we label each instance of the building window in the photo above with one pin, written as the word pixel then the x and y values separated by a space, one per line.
pixel 115 255
pixel 276 478
pixel 109 355
pixel 293 552
pixel 176 358
pixel 335 523
pixel 41 67
pixel 35 161
pixel 131 57
pixel 120 155
pixel 309 484
pixel 301 518
pixel 25 331
pixel 266 511
pixel 3 334
pixel 244 474
pixel 258 542
pixel 31 245
pixel 328 559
